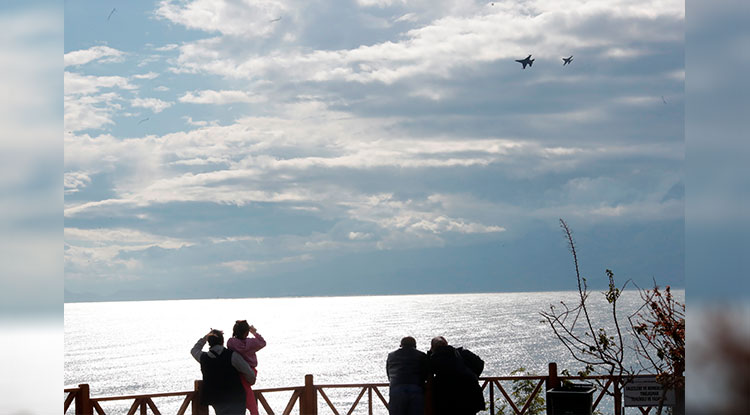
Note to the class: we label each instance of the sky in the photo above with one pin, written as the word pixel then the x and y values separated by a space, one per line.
pixel 277 148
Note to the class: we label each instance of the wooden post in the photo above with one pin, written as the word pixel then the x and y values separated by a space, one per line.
pixel 679 408
pixel 491 386
pixel 552 380
pixel 83 400
pixel 198 409
pixel 369 400
pixel 308 404
pixel 618 396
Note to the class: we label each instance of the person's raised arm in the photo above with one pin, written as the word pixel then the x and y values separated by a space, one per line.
pixel 258 342
pixel 243 368
pixel 198 347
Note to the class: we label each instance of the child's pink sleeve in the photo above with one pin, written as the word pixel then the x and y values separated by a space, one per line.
pixel 256 343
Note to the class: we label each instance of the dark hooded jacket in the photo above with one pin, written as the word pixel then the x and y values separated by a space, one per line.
pixel 456 389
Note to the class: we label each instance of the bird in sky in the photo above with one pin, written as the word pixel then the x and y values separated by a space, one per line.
pixel 527 61
pixel 143 120
pixel 663 100
pixel 111 13
pixel 566 61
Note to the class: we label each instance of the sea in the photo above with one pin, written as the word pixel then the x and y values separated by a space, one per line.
pixel 143 347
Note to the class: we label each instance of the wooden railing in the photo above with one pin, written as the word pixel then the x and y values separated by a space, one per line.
pixel 305 398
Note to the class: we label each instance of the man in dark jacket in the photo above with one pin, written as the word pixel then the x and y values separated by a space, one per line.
pixel 456 389
pixel 221 370
pixel 407 370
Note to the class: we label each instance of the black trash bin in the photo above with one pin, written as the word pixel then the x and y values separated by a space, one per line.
pixel 572 399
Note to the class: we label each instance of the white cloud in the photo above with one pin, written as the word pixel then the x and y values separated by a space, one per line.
pixel 75 83
pixel 237 266
pixel 154 104
pixel 86 248
pixel 230 239
pixel 148 75
pixel 639 100
pixel 408 17
pixel 678 75
pixel 360 236
pixel 85 104
pixel 145 61
pixel 246 18
pixel 100 53
pixel 424 218
pixel 89 111
pixel 624 53
pixel 219 97
pixel 198 123
pixel 124 237
pixel 442 224
pixel 380 3
pixel 76 180
pixel 167 47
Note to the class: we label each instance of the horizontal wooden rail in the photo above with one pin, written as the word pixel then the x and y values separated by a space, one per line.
pixel 143 396
pixel 351 385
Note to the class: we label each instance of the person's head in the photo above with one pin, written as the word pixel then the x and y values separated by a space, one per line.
pixel 241 329
pixel 438 341
pixel 408 342
pixel 215 337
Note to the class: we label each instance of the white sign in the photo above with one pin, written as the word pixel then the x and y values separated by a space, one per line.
pixel 646 391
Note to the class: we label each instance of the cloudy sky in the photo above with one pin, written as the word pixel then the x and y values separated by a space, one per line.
pixel 258 148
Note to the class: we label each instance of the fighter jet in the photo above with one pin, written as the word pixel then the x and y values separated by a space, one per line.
pixel 567 61
pixel 524 62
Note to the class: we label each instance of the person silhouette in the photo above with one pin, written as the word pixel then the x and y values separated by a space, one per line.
pixel 456 371
pixel 407 369
pixel 222 370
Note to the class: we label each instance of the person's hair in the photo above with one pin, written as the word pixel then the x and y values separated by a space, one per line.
pixel 409 342
pixel 438 341
pixel 215 337
pixel 241 329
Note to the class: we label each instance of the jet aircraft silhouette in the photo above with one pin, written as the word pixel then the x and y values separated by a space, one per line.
pixel 566 61
pixel 524 62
